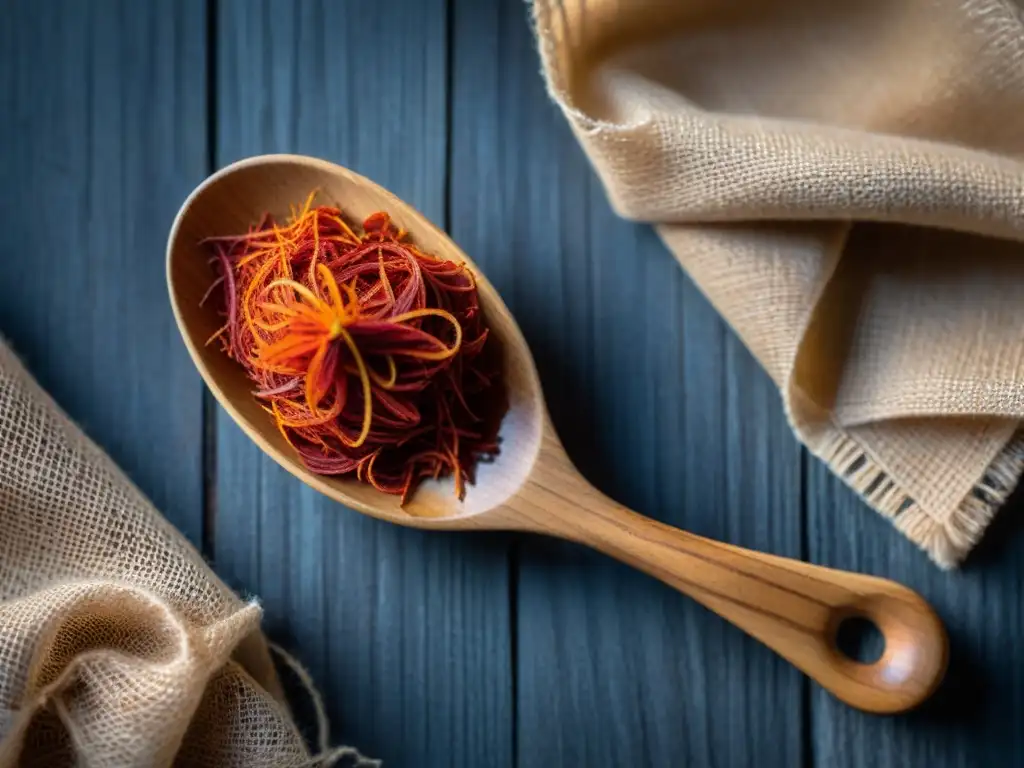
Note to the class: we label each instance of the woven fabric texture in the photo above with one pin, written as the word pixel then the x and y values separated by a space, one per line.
pixel 844 182
pixel 118 645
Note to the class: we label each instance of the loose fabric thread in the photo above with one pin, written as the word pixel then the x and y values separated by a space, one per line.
pixel 326 755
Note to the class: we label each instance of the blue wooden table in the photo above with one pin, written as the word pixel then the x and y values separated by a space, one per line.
pixel 438 649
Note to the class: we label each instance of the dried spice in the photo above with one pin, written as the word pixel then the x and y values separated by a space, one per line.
pixel 371 356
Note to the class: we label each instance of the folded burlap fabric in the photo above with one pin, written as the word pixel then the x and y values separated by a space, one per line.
pixel 118 645
pixel 844 181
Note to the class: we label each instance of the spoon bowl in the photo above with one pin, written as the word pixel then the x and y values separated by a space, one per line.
pixel 793 607
pixel 229 202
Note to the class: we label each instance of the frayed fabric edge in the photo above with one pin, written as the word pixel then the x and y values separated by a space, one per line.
pixel 946 542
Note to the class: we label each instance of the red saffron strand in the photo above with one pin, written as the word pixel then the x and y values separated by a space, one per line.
pixel 371 356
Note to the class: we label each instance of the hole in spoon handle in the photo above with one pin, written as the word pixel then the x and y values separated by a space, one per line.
pixel 912 662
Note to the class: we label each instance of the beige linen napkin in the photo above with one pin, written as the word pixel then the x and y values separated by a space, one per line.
pixel 844 181
pixel 118 645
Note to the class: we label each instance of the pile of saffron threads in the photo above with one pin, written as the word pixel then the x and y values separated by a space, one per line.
pixel 371 356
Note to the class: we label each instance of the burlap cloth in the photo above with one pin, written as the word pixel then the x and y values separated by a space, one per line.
pixel 118 645
pixel 843 180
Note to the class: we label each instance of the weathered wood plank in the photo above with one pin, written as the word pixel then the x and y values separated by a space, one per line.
pixel 657 403
pixel 102 135
pixel 974 719
pixel 407 632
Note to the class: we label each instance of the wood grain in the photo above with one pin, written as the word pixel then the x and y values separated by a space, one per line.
pixel 102 115
pixel 657 404
pixel 795 608
pixel 974 717
pixel 407 632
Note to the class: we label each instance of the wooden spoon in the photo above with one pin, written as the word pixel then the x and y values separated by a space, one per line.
pixel 793 607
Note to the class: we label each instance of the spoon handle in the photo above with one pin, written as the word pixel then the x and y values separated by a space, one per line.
pixel 792 607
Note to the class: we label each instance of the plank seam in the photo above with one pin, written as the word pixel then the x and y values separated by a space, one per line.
pixel 209 409
pixel 806 701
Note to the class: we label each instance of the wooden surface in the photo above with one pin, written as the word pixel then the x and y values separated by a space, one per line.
pixel 438 649
pixel 102 119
